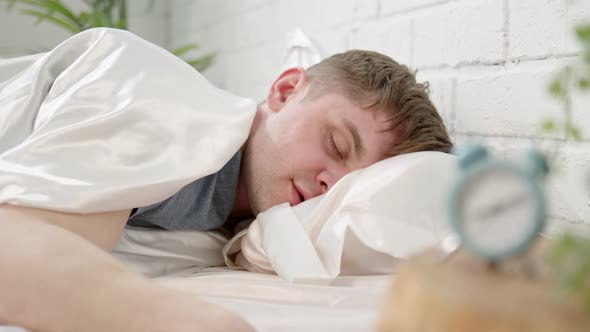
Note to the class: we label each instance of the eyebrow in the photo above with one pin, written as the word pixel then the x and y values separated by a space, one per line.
pixel 358 143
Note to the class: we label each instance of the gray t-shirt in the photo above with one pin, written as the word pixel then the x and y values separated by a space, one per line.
pixel 204 204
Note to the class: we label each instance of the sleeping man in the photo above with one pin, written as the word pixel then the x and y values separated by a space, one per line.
pixel 107 130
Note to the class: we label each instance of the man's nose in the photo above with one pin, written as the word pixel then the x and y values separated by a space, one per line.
pixel 328 178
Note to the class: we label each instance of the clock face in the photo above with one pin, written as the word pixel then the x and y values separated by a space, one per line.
pixel 497 211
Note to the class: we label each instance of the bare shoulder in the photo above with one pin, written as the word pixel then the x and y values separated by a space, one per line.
pixel 103 229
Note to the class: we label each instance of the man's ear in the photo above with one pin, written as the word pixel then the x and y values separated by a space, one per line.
pixel 290 82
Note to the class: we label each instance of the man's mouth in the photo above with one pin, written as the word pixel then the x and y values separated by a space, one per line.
pixel 296 195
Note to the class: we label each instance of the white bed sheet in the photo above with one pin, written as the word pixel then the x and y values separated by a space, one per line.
pixel 270 303
pixel 190 261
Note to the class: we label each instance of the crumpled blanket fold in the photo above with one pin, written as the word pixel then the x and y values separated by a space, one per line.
pixel 108 121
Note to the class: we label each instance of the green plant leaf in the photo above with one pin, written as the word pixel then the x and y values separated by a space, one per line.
pixel 179 51
pixel 574 133
pixel 84 19
pixel 584 83
pixel 583 33
pixel 556 89
pixel 570 266
pixel 548 126
pixel 95 20
pixel 60 8
pixel 203 62
pixel 121 22
pixel 52 8
pixel 561 248
pixel 43 16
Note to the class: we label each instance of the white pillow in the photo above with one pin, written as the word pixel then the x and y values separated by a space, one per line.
pixel 368 221
pixel 160 252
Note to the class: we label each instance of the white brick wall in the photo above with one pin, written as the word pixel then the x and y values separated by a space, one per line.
pixel 458 32
pixel 19 35
pixel 539 28
pixel 487 61
pixel 504 100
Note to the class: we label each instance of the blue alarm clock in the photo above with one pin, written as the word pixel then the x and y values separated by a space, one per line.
pixel 496 207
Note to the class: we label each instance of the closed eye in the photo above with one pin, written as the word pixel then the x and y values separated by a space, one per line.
pixel 335 147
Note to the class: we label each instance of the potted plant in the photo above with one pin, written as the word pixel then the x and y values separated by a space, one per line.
pixel 98 13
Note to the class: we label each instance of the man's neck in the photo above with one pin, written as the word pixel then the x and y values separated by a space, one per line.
pixel 241 209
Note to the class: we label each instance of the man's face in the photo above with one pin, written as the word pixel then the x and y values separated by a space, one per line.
pixel 300 147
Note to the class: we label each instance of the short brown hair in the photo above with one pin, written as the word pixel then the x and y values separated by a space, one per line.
pixel 376 81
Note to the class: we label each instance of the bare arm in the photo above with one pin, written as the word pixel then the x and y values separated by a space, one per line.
pixel 102 229
pixel 52 279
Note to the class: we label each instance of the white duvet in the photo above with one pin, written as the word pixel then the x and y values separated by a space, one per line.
pixel 108 121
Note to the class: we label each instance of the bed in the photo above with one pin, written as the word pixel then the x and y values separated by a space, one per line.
pixel 320 266
pixel 323 265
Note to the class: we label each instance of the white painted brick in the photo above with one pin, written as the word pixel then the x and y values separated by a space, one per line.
pixel 273 21
pixel 366 8
pixel 217 73
pixel 257 92
pixel 545 27
pixel 396 6
pixel 430 38
pixel 332 41
pixel 441 86
pixel 572 169
pixel 537 27
pixel 251 27
pixel 581 112
pixel 313 15
pixel 218 37
pixel 558 188
pixel 391 36
pixel 215 37
pixel 208 12
pixel 242 5
pixel 255 65
pixel 495 145
pixel 188 16
pixel 459 32
pixel 556 227
pixel 505 101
